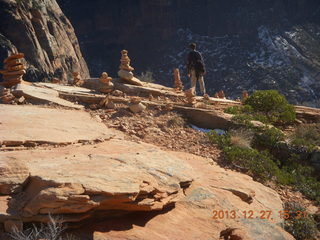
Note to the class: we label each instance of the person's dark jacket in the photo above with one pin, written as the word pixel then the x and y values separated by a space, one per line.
pixel 195 61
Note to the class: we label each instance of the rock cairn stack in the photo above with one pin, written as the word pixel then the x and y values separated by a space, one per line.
pixel 107 84
pixel 220 94
pixel 13 70
pixel 136 106
pixel 125 72
pixel 107 103
pixel 245 95
pixel 77 79
pixel 177 80
pixel 190 96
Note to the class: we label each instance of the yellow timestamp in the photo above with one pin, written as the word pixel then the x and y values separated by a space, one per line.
pixel 262 214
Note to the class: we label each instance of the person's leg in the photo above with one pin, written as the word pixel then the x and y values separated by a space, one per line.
pixel 202 86
pixel 193 81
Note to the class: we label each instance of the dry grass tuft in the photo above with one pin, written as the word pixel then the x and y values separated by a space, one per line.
pixel 241 137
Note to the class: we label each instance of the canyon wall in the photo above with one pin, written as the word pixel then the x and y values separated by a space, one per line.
pixel 40 30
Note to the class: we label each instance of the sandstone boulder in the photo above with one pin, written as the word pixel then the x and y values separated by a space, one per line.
pixel 12 175
pixel 42 95
pixel 116 175
pixel 22 125
pixel 129 78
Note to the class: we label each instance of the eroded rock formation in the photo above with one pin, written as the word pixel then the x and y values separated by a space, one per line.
pixel 42 32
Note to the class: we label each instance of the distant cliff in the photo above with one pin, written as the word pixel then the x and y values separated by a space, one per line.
pixel 247 44
pixel 40 30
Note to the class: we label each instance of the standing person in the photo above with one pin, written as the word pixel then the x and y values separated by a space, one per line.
pixel 196 69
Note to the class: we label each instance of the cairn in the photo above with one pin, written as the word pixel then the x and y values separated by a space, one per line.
pixel 190 96
pixel 76 79
pixel 125 72
pixel 107 103
pixel 107 84
pixel 13 70
pixel 136 106
pixel 177 80
pixel 221 94
pixel 6 96
pixel 206 97
pixel 245 95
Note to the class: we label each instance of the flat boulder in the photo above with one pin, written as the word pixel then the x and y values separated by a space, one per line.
pixel 115 177
pixel 25 125
pixel 42 95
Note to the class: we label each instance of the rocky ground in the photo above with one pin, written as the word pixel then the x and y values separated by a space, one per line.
pixel 166 129
pixel 126 175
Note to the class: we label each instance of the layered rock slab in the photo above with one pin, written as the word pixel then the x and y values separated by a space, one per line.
pixel 213 189
pixel 23 124
pixel 114 175
pixel 42 95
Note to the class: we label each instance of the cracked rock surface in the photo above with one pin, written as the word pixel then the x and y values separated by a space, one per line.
pixel 124 189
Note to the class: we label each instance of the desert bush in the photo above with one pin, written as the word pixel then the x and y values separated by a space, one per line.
pixel 260 165
pixel 268 137
pixel 301 177
pixel 302 228
pixel 233 110
pixel 147 77
pixel 273 105
pixel 222 140
pixel 53 230
pixel 307 136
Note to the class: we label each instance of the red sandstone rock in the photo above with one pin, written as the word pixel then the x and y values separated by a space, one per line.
pixel 46 37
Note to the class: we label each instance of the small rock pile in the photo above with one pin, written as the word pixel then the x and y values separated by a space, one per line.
pixel 6 97
pixel 77 79
pixel 245 95
pixel 220 94
pixel 136 106
pixel 13 70
pixel 190 96
pixel 107 84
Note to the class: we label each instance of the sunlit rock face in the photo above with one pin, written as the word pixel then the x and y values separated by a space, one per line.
pixel 41 31
pixel 246 44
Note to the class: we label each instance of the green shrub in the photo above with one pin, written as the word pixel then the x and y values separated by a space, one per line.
pixel 233 110
pixel 268 138
pixel 273 105
pixel 302 178
pixel 307 136
pixel 221 140
pixel 301 227
pixel 260 165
